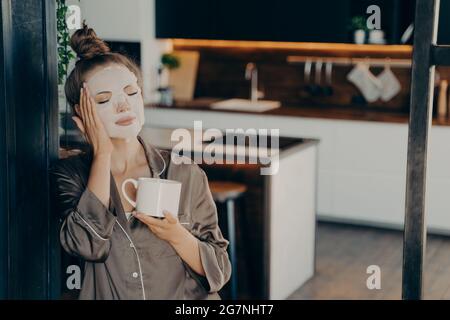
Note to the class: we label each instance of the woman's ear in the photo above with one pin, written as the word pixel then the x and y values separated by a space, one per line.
pixel 79 123
pixel 77 110
pixel 77 118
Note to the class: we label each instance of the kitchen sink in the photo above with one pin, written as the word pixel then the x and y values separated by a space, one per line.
pixel 246 105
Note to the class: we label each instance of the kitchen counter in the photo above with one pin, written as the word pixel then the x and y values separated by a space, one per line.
pixel 321 112
pixel 275 218
pixel 161 138
pixel 362 157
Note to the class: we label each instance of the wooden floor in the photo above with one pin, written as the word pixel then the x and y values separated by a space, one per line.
pixel 343 254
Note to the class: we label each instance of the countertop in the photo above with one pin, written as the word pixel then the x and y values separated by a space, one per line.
pixel 162 138
pixel 323 112
pixel 245 154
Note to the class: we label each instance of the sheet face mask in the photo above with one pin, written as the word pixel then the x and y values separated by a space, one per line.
pixel 123 105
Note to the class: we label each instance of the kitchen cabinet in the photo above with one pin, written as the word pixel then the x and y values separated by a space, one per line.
pixel 185 19
pixel 361 164
pixel 275 219
pixel 292 223
pixel 396 16
pixel 444 23
pixel 319 21
pixel 306 21
pixel 407 17
pixel 284 20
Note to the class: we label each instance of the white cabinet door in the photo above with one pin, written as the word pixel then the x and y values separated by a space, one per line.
pixel 370 172
pixel 438 205
pixel 438 180
pixel 369 199
pixel 371 148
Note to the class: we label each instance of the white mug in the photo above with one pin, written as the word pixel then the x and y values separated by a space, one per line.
pixel 154 195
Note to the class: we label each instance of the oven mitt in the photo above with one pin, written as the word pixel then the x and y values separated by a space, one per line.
pixel 366 82
pixel 391 85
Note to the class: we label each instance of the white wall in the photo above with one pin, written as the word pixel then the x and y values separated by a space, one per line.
pixel 114 19
pixel 130 20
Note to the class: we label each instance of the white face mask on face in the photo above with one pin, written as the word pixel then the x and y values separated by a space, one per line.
pixel 119 101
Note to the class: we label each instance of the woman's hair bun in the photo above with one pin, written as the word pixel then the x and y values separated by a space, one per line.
pixel 86 44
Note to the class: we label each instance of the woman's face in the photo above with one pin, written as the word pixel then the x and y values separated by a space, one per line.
pixel 118 100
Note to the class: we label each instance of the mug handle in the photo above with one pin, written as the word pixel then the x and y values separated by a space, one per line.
pixel 135 184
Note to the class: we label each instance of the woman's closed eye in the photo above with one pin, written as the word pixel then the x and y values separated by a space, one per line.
pixel 102 102
pixel 131 90
pixel 103 97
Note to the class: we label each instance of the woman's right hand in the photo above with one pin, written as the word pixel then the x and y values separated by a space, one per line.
pixel 90 125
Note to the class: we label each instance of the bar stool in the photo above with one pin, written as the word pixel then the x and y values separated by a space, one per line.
pixel 227 192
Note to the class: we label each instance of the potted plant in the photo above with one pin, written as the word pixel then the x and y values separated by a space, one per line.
pixel 65 56
pixel 169 61
pixel 359 28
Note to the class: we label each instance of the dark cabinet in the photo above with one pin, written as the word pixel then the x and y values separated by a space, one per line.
pixel 245 20
pixel 395 16
pixel 284 20
pixel 444 23
pixel 308 21
pixel 188 19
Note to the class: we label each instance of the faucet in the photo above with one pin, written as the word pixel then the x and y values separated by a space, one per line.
pixel 251 73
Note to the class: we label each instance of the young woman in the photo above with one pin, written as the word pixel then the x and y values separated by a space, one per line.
pixel 129 255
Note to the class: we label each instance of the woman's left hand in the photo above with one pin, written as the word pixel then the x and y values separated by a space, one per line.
pixel 171 230
pixel 168 229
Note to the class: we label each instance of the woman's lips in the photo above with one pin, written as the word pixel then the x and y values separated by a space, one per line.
pixel 125 121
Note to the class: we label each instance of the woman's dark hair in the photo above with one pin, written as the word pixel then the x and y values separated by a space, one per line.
pixel 92 52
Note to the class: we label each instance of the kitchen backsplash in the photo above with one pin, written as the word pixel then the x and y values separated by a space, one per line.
pixel 221 73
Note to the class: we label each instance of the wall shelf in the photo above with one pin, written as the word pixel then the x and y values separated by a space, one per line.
pixel 341 61
pixel 302 48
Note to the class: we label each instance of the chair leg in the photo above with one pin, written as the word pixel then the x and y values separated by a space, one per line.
pixel 232 240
